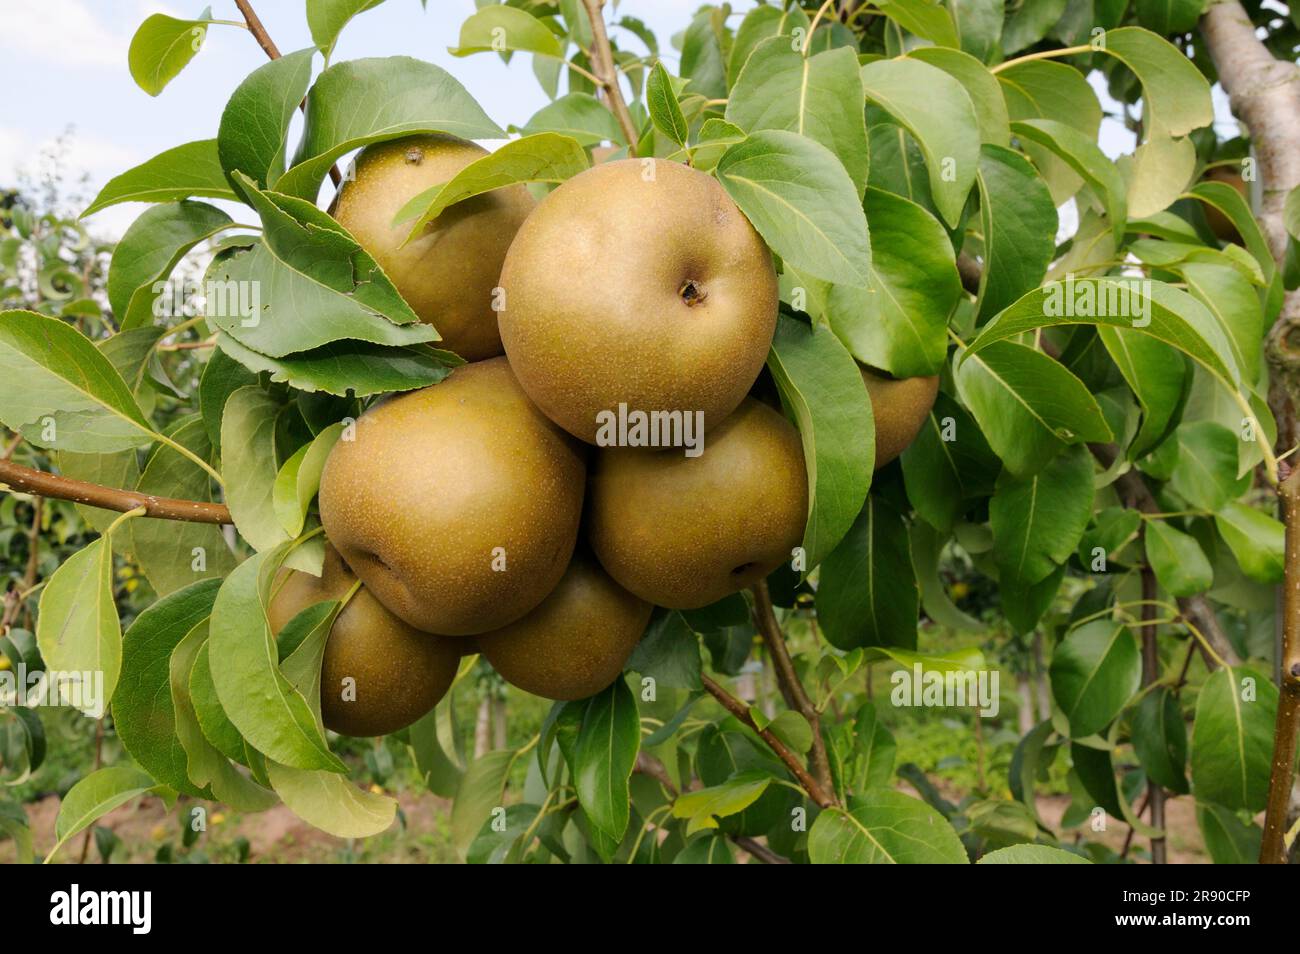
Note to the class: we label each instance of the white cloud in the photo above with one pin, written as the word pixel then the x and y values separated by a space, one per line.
pixel 71 33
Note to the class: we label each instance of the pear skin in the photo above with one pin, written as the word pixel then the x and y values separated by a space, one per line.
pixel 667 300
pixel 683 532
pixel 900 406
pixel 449 273
pixel 458 504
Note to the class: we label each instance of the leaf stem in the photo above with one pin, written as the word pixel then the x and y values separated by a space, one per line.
pixel 192 457
pixel 1042 55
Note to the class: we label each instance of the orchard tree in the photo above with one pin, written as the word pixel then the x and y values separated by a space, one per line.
pixel 867 272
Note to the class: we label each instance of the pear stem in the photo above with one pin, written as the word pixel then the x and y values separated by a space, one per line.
pixel 602 61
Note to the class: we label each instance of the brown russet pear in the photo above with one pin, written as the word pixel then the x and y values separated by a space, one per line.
pixel 576 642
pixel 683 532
pixel 379 674
pixel 637 282
pixel 900 406
pixel 458 504
pixel 449 273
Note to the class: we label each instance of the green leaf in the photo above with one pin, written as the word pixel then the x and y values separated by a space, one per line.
pixel 1232 739
pixel 1160 739
pixel 1159 171
pixel 143 714
pixel 148 252
pixel 702 60
pixel 258 699
pixel 1032 855
pixel 882 826
pixel 665 111
pixel 1179 563
pixel 761 23
pixel 1232 204
pixel 216 725
pixel 816 96
pixel 1029 23
pixel 867 595
pixel 940 474
pixel 500 29
pixel 669 652
pixel 161 48
pixel 1083 155
pixel 579 116
pixel 327 18
pixel 171 554
pixel 77 628
pixel 604 755
pixel 95 796
pixel 1169 16
pixel 927 549
pixel 61 392
pixel 703 807
pixel 1028 405
pixel 935 109
pixel 708 850
pixel 544 157
pixel 1228 294
pixel 802 202
pixel 481 790
pixel 1095 774
pixel 1043 89
pixel 925 18
pixel 1025 605
pixel 254 130
pixel 979 25
pixel 348 367
pixel 1206 470
pixel 331 802
pixel 873 749
pixel 1175 95
pixel 299 479
pixel 1158 375
pixel 1228 839
pixel 1256 540
pixel 822 390
pixel 357 102
pixel 1037 521
pixel 1019 223
pixel 179 173
pixel 1150 307
pixel 981 85
pixel 248 465
pixel 1094 672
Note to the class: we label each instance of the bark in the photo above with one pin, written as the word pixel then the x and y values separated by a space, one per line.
pixel 42 484
pixel 1150 674
pixel 1272 850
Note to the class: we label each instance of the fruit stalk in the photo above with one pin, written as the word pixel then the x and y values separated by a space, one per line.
pixel 741 711
pixel 602 60
pixel 792 689
pixel 1273 848
pixel 42 484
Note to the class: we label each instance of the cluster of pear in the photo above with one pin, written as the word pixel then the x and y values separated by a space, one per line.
pixel 482 514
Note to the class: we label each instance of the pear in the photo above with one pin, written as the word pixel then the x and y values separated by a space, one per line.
pixel 667 301
pixel 449 273
pixel 378 675
pixel 683 532
pixel 457 505
pixel 900 406
pixel 576 642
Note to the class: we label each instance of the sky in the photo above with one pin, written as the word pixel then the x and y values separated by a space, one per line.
pixel 63 64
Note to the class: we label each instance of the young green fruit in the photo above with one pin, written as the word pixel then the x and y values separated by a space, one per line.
pixel 448 274
pixel 458 504
pixel 670 303
pixel 576 642
pixel 396 673
pixel 900 406
pixel 683 532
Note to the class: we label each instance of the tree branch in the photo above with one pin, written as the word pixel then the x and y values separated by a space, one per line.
pixel 792 689
pixel 759 851
pixel 646 764
pixel 1264 94
pixel 602 56
pixel 1150 674
pixel 42 484
pixel 1273 848
pixel 741 712
pixel 273 52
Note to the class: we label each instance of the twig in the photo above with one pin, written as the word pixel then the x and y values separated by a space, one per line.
pixel 1150 674
pixel 759 850
pixel 99 759
pixel 273 52
pixel 792 689
pixel 42 484
pixel 741 712
pixel 648 765
pixel 1272 849
pixel 602 61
